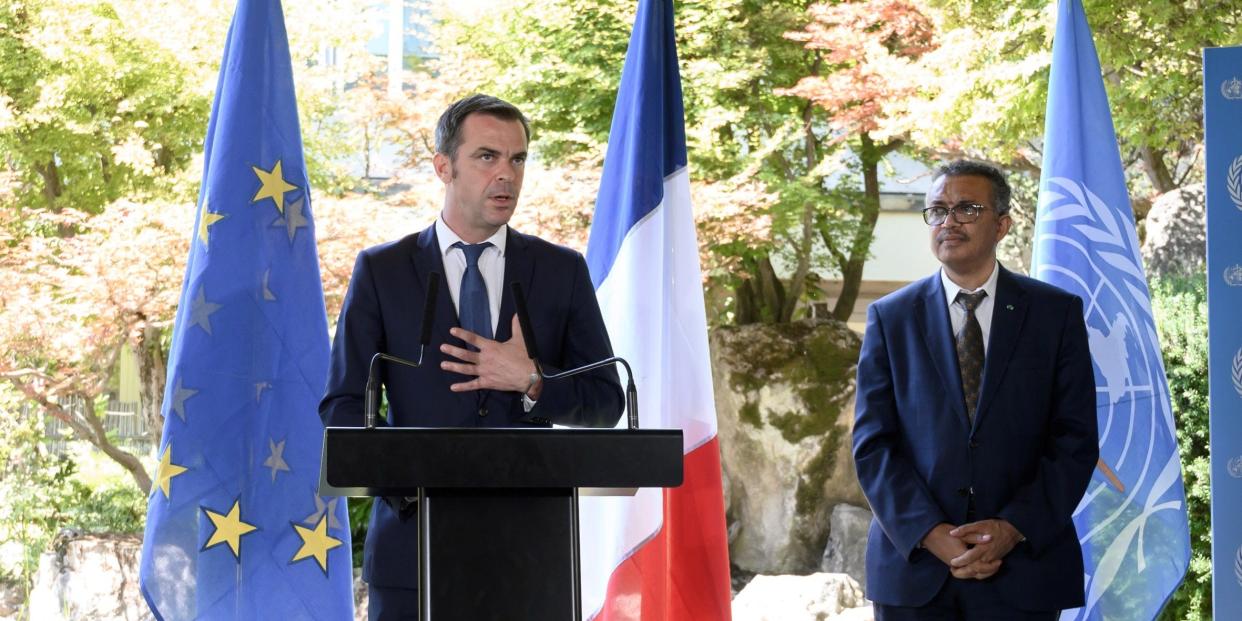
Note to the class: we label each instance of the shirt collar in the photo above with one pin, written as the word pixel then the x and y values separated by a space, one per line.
pixel 951 288
pixel 446 237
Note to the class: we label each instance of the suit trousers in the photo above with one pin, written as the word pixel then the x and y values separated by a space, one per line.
pixel 962 600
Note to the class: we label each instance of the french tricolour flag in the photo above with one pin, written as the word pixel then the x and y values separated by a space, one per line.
pixel 661 554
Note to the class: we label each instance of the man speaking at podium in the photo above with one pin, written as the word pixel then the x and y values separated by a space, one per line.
pixel 476 371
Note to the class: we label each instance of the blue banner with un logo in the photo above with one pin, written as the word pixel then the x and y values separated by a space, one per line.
pixel 1222 103
pixel 1132 521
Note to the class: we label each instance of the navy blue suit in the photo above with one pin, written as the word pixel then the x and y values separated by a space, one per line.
pixel 382 313
pixel 1027 459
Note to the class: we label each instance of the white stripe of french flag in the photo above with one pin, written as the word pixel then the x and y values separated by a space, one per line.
pixel 661 555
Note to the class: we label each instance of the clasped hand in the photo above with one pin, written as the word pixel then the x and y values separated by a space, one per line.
pixel 496 365
pixel 974 550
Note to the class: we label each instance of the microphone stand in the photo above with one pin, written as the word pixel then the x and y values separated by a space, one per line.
pixel 528 335
pixel 371 406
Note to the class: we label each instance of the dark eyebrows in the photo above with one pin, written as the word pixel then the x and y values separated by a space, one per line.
pixel 942 203
pixel 490 151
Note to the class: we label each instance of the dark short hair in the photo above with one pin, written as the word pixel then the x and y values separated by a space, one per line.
pixel 1001 192
pixel 448 129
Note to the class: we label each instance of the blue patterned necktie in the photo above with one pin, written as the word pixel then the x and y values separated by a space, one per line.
pixel 970 350
pixel 474 310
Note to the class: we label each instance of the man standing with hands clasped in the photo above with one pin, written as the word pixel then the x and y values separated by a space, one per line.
pixel 975 425
pixel 477 372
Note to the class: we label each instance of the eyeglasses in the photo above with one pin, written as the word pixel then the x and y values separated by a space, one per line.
pixel 963 213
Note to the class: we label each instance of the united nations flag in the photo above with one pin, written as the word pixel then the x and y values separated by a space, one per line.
pixel 1132 521
pixel 235 529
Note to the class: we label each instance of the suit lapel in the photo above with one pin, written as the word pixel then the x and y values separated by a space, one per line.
pixel 1008 314
pixel 519 268
pixel 427 259
pixel 933 318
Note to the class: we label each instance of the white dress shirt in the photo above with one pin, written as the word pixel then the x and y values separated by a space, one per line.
pixel 983 312
pixel 491 266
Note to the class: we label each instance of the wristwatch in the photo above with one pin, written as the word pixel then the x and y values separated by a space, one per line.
pixel 528 404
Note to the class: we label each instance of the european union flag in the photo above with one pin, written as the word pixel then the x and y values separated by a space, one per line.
pixel 235 529
pixel 1132 521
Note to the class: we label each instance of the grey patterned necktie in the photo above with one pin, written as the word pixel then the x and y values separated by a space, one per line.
pixel 970 351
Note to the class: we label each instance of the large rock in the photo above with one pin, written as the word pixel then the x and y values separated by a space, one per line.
pixel 846 552
pixel 816 597
pixel 1176 240
pixel 784 402
pixel 89 577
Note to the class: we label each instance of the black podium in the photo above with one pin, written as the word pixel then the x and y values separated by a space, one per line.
pixel 498 508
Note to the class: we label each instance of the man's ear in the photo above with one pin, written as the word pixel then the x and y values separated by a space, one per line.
pixel 1003 225
pixel 443 166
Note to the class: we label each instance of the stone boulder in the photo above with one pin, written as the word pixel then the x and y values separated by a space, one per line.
pixel 89 577
pixel 817 597
pixel 784 405
pixel 846 552
pixel 1176 233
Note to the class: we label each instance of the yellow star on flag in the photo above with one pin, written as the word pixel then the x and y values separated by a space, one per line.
pixel 166 471
pixel 315 543
pixel 206 219
pixel 274 186
pixel 229 528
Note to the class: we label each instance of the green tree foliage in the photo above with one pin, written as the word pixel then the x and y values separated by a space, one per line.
pixel 992 92
pixel 1180 309
pixel 42 493
pixel 867 66
pixel 89 113
pixel 561 60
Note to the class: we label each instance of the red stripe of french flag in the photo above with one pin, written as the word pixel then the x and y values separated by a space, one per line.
pixel 668 547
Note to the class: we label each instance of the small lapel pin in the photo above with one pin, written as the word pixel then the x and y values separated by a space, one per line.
pixel 1009 307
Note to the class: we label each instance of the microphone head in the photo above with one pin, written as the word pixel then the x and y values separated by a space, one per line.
pixel 528 333
pixel 429 307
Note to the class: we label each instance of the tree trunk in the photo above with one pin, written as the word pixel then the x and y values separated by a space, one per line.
pixel 99 437
pixel 51 182
pixel 1157 173
pixel 758 299
pixel 798 282
pixel 87 426
pixel 870 155
pixel 152 376
pixel 745 308
pixel 771 290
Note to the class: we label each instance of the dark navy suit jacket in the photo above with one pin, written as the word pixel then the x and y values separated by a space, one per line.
pixel 1027 459
pixel 382 312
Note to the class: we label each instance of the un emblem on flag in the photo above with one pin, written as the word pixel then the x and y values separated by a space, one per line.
pixel 1237 566
pixel 1233 276
pixel 1233 182
pixel 1237 372
pixel 1089 248
pixel 1231 89
pixel 1235 467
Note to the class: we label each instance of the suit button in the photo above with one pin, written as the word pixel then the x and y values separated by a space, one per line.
pixel 963 491
pixel 482 411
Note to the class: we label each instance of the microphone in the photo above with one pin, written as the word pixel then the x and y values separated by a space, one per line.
pixel 528 334
pixel 371 407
